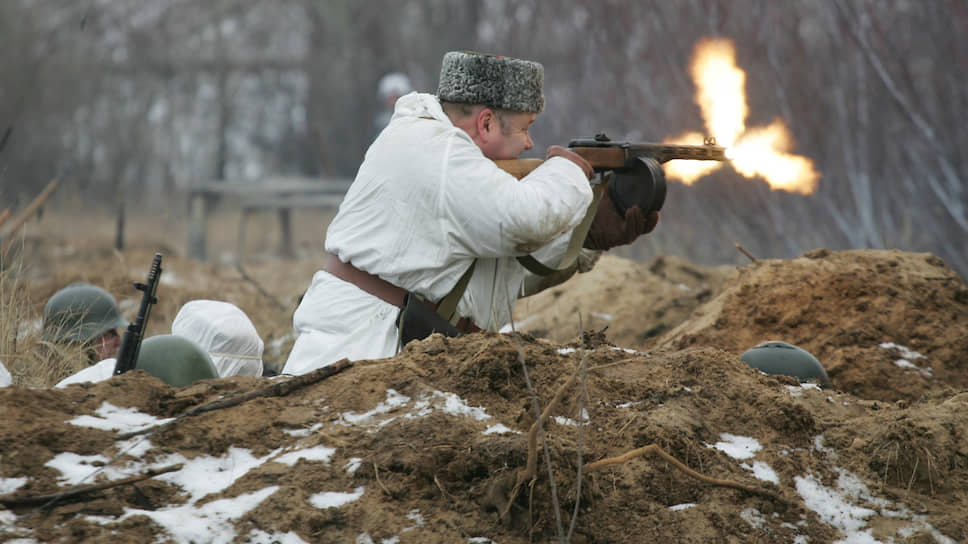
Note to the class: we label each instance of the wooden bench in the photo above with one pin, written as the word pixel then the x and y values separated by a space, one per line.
pixel 280 194
pixel 283 206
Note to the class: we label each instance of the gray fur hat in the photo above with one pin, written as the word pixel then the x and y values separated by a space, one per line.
pixel 512 84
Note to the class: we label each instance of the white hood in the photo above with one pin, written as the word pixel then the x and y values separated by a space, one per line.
pixel 225 332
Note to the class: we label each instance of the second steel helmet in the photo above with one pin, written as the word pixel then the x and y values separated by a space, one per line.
pixel 79 313
pixel 175 360
pixel 775 357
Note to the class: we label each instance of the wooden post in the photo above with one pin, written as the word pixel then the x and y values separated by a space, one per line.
pixel 197 226
pixel 285 232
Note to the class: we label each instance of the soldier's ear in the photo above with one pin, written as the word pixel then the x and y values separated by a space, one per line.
pixel 486 123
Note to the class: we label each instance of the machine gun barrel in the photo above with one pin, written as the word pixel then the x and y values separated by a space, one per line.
pixel 134 334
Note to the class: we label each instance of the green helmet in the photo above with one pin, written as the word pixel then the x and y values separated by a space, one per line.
pixel 79 313
pixel 175 360
pixel 775 357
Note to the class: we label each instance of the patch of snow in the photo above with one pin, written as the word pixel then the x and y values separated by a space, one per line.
pixel 456 406
pixel 762 471
pixel 205 474
pixel 818 445
pixel 603 317
pixel 303 432
pixel 417 518
pixel 903 351
pixel 258 536
pixel 9 485
pixel 753 517
pixel 566 351
pixel 319 453
pixel 833 507
pixel 212 522
pixel 353 464
pixel 111 418
pixel 500 428
pixel 76 468
pixel 393 401
pixel 334 499
pixel 737 447
pixel 683 506
pixel 7 517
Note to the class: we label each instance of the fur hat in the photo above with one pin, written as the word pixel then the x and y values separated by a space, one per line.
pixel 512 84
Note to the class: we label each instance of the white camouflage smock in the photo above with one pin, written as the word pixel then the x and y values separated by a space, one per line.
pixel 425 204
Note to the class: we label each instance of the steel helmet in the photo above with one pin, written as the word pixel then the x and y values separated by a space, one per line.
pixel 79 313
pixel 175 360
pixel 775 357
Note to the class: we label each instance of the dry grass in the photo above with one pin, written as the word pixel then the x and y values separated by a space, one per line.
pixel 31 361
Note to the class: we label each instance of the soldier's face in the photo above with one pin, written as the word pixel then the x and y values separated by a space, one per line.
pixel 505 136
pixel 107 345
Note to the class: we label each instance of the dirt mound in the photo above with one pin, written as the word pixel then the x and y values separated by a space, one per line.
pixel 887 325
pixel 636 302
pixel 427 446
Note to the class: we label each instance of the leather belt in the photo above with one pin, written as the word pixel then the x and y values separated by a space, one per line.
pixel 381 288
pixel 374 285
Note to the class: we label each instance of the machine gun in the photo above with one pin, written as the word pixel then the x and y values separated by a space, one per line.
pixel 638 176
pixel 135 333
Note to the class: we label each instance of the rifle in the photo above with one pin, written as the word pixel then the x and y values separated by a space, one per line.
pixel 639 163
pixel 135 333
pixel 604 154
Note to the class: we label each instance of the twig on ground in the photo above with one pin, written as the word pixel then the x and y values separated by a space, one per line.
pixel 46 501
pixel 744 252
pixel 582 397
pixel 443 492
pixel 654 449
pixel 376 471
pixel 279 389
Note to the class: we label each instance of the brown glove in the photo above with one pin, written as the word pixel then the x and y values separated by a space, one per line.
pixel 558 151
pixel 609 229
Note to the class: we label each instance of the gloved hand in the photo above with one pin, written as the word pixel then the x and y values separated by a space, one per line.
pixel 609 229
pixel 558 151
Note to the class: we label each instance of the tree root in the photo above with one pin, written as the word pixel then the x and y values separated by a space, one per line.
pixel 654 449
pixel 530 471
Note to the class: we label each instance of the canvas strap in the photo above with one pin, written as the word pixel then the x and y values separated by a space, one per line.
pixel 570 259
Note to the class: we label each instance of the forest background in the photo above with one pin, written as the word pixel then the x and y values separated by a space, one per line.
pixel 133 102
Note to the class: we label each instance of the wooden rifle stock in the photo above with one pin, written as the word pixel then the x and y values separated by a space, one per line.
pixel 600 158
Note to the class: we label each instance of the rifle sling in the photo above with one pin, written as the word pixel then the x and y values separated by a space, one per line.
pixel 570 259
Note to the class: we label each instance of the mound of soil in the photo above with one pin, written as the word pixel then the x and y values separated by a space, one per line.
pixel 428 446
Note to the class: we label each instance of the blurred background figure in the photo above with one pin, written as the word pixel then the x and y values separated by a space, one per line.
pixel 86 316
pixel 391 87
pixel 225 333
